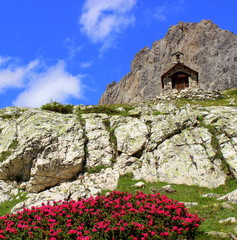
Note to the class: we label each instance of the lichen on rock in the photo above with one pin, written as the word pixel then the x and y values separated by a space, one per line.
pixel 50 153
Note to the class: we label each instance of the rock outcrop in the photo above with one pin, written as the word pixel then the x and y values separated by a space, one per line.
pixel 190 93
pixel 57 156
pixel 207 49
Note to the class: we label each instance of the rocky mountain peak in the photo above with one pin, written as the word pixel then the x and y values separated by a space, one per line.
pixel 205 48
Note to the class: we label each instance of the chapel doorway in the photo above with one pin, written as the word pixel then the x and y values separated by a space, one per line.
pixel 180 80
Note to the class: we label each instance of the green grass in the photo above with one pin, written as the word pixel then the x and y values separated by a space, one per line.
pixel 9 116
pixel 113 160
pixel 4 155
pixel 97 169
pixel 112 137
pixel 229 97
pixel 156 113
pixel 107 109
pixel 14 144
pixel 5 207
pixel 208 208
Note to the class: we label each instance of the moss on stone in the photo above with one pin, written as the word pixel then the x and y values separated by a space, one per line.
pixel 156 113
pixel 97 169
pixel 215 144
pixel 14 144
pixel 112 137
pixel 9 116
pixel 110 110
pixel 5 154
pixel 112 160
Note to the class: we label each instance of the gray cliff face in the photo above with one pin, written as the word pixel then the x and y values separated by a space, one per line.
pixel 207 49
pixel 50 154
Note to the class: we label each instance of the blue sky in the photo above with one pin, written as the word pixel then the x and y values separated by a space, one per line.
pixel 69 50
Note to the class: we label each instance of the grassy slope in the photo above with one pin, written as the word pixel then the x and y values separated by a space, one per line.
pixel 229 98
pixel 5 207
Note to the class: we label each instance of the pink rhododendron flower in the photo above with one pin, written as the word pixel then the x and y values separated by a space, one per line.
pixel 119 215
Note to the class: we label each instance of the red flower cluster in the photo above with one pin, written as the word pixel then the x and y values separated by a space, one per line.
pixel 119 215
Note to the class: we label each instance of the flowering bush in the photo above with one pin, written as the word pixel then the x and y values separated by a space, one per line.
pixel 120 215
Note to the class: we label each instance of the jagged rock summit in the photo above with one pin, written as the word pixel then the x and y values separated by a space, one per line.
pixel 190 55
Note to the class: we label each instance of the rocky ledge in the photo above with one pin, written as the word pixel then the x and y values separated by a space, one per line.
pixel 68 156
pixel 190 93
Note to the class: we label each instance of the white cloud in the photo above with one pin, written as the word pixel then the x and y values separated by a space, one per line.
pixel 12 76
pixel 53 84
pixel 163 12
pixel 4 60
pixel 37 82
pixel 159 12
pixel 85 64
pixel 72 48
pixel 103 19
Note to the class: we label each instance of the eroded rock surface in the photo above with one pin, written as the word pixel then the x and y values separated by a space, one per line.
pixel 99 147
pixel 41 148
pixel 48 154
pixel 85 186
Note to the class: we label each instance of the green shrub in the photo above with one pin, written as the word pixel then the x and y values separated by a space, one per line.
pixel 99 109
pixel 107 109
pixel 58 107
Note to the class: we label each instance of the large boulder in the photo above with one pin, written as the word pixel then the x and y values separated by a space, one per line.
pixel 99 147
pixel 225 120
pixel 185 158
pixel 131 137
pixel 40 148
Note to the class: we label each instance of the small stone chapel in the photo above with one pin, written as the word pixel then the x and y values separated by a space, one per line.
pixel 179 76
